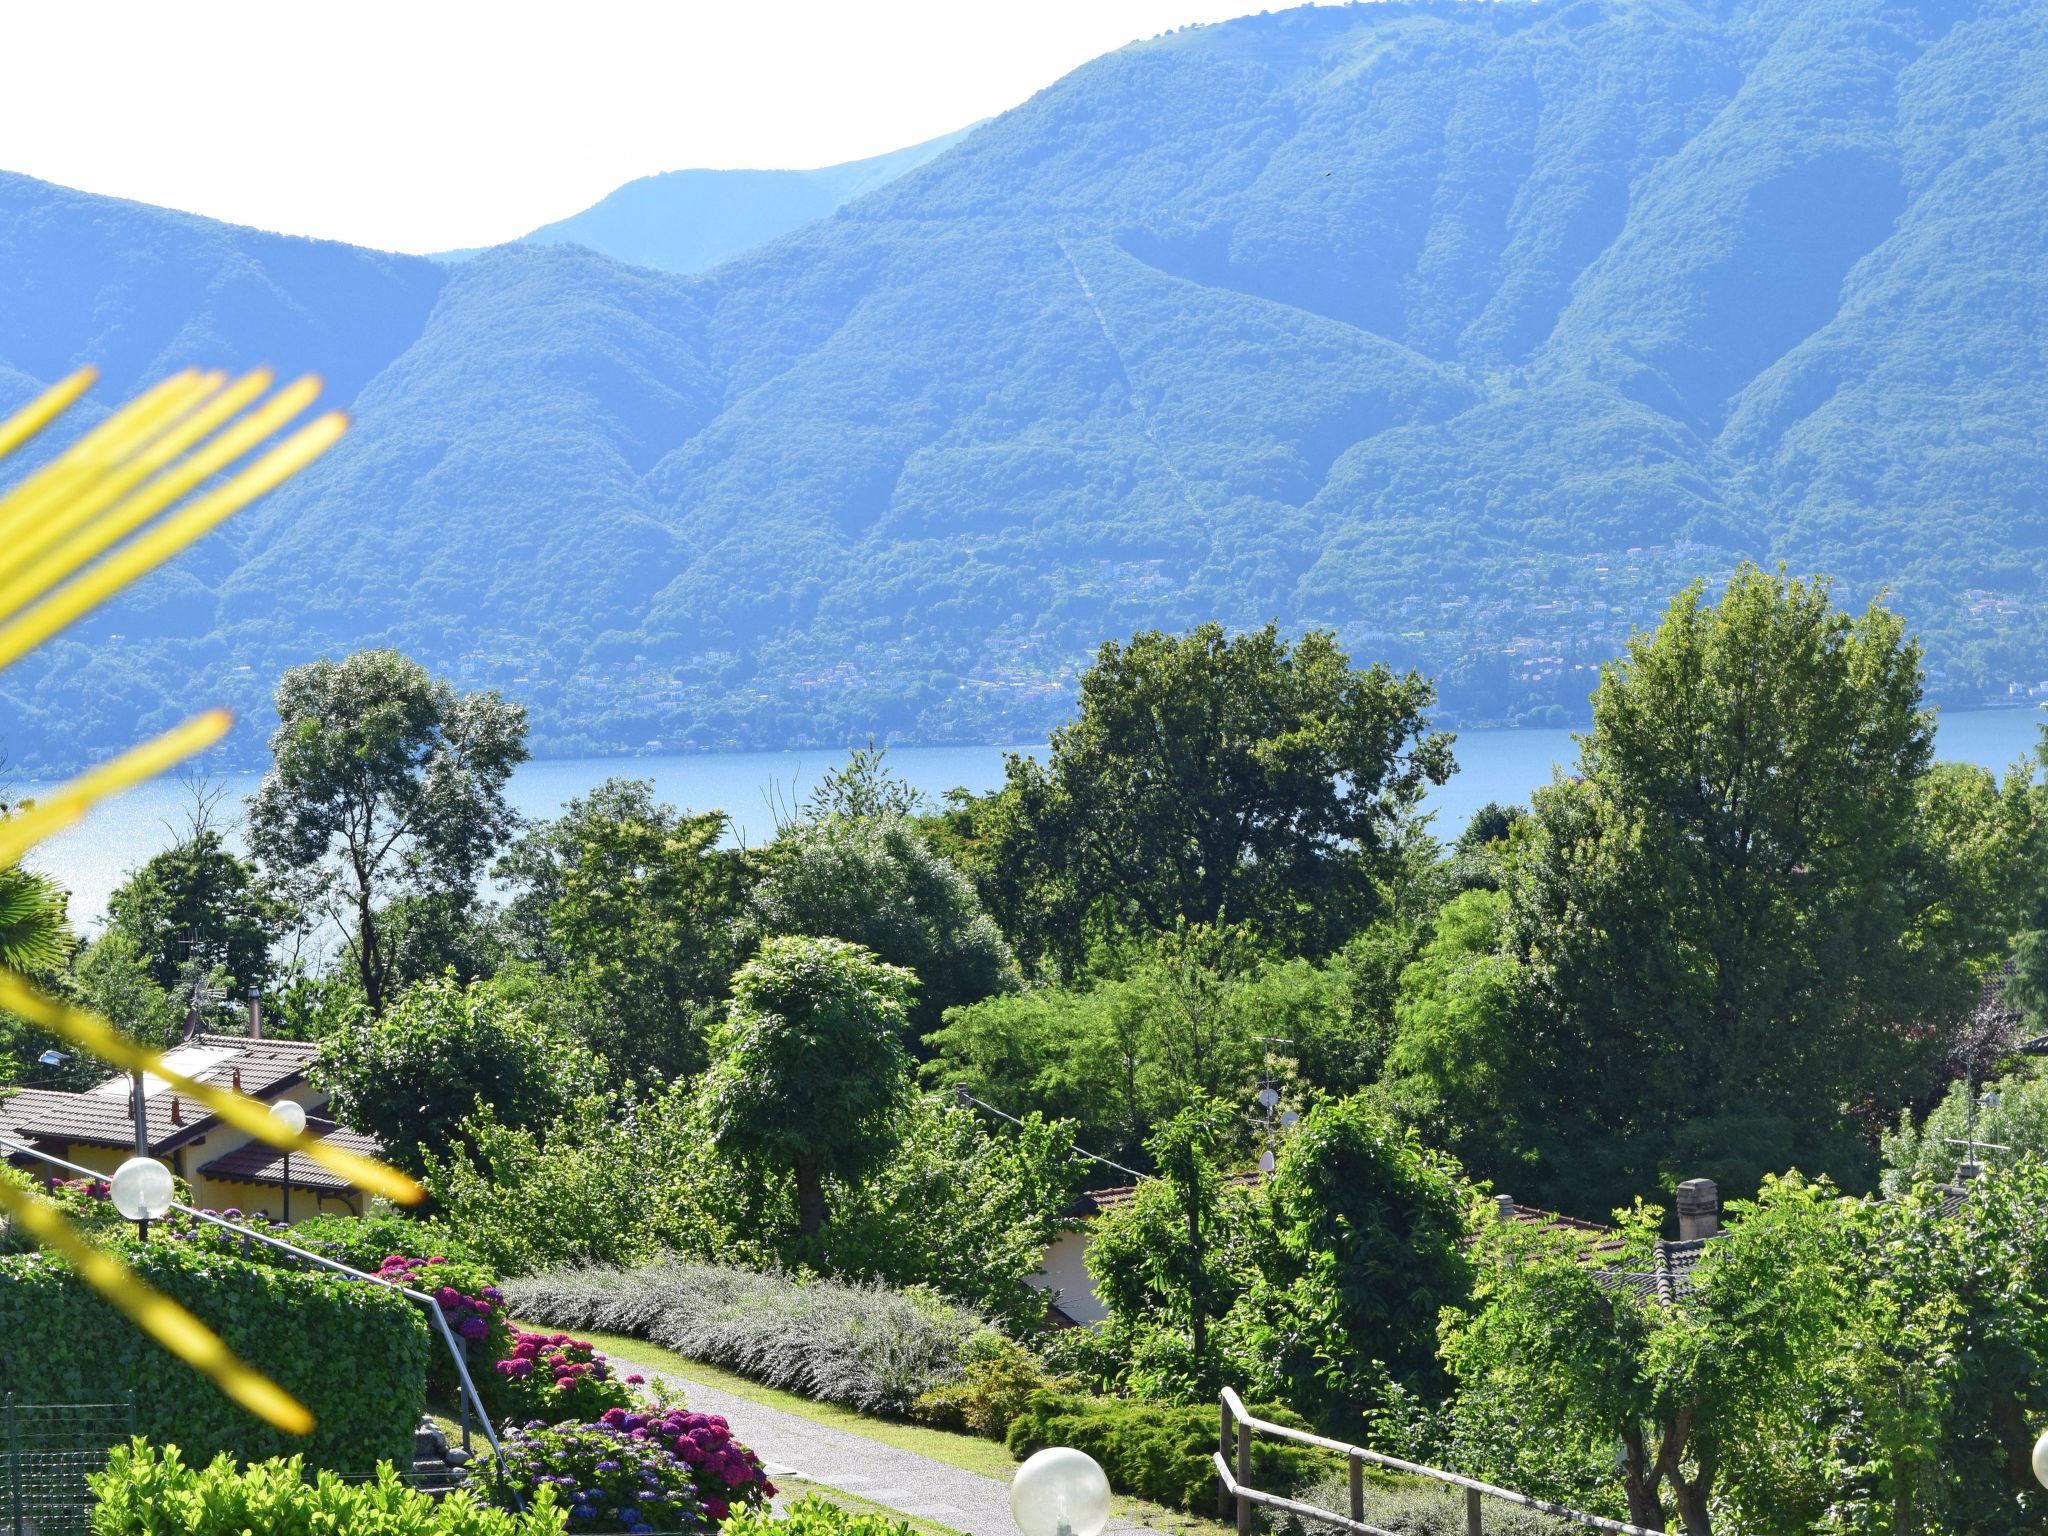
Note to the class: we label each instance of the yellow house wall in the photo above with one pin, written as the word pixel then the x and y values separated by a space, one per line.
pixel 229 1194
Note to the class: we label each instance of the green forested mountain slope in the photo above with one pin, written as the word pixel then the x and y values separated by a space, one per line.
pixel 1470 330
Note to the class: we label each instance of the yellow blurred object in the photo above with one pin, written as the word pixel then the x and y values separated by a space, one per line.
pixel 103 513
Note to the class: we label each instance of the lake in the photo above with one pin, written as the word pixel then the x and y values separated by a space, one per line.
pixel 1504 765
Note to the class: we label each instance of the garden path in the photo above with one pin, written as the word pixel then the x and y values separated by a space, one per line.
pixel 882 1474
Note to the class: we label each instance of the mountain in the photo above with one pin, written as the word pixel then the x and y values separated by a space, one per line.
pixel 1472 331
pixel 688 221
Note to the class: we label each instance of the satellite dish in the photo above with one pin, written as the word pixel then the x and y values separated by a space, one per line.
pixel 1269 1097
pixel 1289 1118
pixel 1266 1161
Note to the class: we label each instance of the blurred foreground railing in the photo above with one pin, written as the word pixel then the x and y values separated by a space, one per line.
pixel 1234 1483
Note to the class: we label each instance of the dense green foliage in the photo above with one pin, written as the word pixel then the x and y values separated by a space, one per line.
pixel 356 1355
pixel 815 1516
pixel 1214 779
pixel 146 1492
pixel 1472 331
pixel 632 908
pixel 1727 933
pixel 1153 1451
pixel 414 1077
pixel 199 903
pixel 1836 1366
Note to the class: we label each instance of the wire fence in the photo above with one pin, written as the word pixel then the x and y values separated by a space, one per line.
pixel 49 1450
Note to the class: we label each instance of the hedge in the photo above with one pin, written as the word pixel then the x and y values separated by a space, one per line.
pixel 1158 1451
pixel 354 1354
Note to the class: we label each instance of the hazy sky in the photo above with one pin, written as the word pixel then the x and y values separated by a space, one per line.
pixel 439 123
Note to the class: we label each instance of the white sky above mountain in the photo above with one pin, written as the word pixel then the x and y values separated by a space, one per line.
pixel 441 123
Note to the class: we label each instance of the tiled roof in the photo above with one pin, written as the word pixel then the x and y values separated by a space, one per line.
pixel 39 1114
pixel 260 1163
pixel 103 1117
pixel 1095 1202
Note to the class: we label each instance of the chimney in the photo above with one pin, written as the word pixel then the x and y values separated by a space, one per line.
pixel 1968 1171
pixel 255 1014
pixel 177 1111
pixel 1699 1209
pixel 1504 1207
pixel 235 1082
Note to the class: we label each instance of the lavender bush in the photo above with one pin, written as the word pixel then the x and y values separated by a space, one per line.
pixel 864 1346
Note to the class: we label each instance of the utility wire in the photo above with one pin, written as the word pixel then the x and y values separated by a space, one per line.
pixel 967 1098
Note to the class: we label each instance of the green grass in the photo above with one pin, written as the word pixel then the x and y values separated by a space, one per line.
pixel 970 1453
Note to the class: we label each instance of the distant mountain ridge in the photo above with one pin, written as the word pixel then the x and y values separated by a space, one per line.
pixel 1470 331
pixel 690 221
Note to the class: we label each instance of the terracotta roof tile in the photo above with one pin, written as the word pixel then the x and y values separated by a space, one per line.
pixel 260 1163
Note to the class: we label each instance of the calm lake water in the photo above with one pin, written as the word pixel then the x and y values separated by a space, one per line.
pixel 1502 765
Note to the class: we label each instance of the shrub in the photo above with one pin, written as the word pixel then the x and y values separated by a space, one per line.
pixel 364 1242
pixel 667 1470
pixel 143 1492
pixel 1152 1451
pixel 355 1354
pixel 554 1379
pixel 1001 1377
pixel 813 1516
pixel 864 1346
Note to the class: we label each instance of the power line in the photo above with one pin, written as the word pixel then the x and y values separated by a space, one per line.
pixel 967 1098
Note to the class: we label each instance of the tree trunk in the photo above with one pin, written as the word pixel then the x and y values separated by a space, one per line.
pixel 1644 1507
pixel 810 1197
pixel 366 958
pixel 1690 1495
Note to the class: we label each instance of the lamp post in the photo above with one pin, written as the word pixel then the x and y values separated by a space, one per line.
pixel 1060 1492
pixel 142 1190
pixel 290 1114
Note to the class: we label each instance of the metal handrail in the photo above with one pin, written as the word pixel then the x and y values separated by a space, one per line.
pixel 471 1398
pixel 1237 1428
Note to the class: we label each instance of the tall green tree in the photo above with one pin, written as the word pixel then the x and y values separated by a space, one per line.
pixel 635 904
pixel 809 1070
pixel 874 880
pixel 1211 778
pixel 198 902
pixel 1737 922
pixel 384 782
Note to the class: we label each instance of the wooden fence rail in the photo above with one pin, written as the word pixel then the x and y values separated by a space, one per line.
pixel 1234 1443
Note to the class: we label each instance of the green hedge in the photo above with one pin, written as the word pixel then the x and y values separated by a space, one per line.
pixel 354 1354
pixel 144 1493
pixel 1159 1452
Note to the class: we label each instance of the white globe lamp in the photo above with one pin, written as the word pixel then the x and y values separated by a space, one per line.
pixel 1060 1492
pixel 142 1189
pixel 2041 1459
pixel 290 1116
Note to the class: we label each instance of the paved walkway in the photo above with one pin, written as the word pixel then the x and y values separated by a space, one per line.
pixel 902 1480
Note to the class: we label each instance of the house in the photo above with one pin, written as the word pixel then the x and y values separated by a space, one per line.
pixel 226 1168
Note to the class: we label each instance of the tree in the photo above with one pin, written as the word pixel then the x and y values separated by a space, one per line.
pixel 1170 1263
pixel 197 902
pixel 633 903
pixel 874 880
pixel 35 935
pixel 415 1076
pixel 1214 779
pixel 1735 921
pixel 1366 1251
pixel 384 782
pixel 809 1070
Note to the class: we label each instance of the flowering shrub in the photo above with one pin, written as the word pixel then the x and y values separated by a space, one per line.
pixel 659 1470
pixel 554 1378
pixel 726 1473
pixel 473 1306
